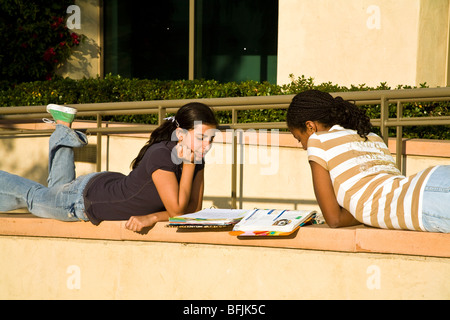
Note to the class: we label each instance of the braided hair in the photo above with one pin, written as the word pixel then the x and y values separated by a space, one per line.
pixel 315 105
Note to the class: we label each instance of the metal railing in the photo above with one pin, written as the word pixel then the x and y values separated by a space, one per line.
pixel 161 107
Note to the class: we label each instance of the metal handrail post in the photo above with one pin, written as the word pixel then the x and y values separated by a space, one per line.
pixel 234 161
pixel 399 139
pixel 234 170
pixel 99 144
pixel 384 115
pixel 161 114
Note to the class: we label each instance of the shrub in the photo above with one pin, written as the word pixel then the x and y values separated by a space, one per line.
pixel 35 39
pixel 116 89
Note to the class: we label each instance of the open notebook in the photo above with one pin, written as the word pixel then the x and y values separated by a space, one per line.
pixel 208 218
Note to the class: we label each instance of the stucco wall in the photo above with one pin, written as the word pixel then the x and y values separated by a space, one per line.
pixel 49 268
pixel 364 41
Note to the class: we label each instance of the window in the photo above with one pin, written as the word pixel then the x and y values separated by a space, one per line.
pixel 147 39
pixel 234 40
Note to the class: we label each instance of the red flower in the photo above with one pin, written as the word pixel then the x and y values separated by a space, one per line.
pixel 75 38
pixel 57 23
pixel 49 54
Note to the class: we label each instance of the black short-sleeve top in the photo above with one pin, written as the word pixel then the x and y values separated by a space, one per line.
pixel 115 196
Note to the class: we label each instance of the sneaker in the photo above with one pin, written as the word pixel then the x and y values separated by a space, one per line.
pixel 63 113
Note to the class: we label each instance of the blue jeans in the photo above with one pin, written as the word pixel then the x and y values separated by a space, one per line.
pixel 63 198
pixel 436 201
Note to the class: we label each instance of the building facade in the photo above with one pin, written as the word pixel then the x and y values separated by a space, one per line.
pixel 402 42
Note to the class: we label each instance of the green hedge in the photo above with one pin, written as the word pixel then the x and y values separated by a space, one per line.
pixel 115 89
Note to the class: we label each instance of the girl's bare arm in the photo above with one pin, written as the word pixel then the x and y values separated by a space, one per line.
pixel 335 216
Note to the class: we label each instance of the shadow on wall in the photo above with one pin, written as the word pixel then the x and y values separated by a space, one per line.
pixel 16 162
pixel 79 63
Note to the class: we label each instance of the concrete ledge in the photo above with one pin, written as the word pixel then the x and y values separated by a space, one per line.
pixel 314 237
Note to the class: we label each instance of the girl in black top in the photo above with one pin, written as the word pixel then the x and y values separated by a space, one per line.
pixel 166 178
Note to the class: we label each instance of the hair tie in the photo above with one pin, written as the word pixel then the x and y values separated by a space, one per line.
pixel 173 120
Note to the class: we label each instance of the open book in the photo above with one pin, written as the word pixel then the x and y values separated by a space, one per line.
pixel 208 218
pixel 253 222
pixel 272 222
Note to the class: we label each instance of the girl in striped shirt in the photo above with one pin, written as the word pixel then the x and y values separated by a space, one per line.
pixel 354 175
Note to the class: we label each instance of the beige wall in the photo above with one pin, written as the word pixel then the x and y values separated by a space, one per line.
pixel 50 268
pixel 86 58
pixel 364 41
pixel 433 51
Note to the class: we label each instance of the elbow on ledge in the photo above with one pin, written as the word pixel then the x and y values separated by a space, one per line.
pixel 334 224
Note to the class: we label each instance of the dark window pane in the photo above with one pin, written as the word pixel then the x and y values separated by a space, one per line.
pixel 147 39
pixel 236 40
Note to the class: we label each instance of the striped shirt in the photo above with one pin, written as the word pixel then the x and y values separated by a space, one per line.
pixel 366 180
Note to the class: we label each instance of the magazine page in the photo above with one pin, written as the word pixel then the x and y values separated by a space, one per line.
pixel 272 222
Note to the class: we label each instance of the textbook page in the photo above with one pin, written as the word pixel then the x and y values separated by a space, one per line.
pixel 209 217
pixel 215 214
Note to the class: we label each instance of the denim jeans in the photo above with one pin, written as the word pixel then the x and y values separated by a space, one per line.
pixel 63 198
pixel 436 201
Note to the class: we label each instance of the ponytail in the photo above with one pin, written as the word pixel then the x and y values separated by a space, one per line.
pixel 162 133
pixel 314 105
